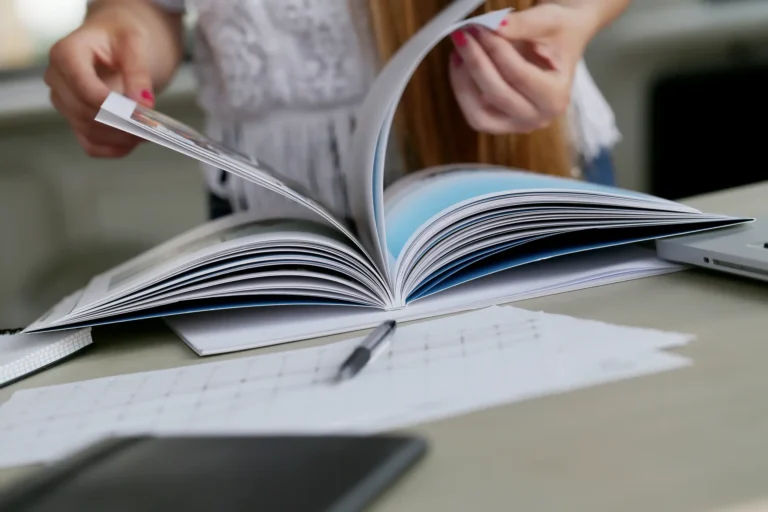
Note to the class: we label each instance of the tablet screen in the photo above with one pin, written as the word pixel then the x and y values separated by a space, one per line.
pixel 264 474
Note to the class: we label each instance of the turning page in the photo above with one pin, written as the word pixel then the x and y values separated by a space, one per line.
pixel 365 163
pixel 129 116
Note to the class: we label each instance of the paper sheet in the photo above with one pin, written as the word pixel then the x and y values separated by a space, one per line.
pixel 431 370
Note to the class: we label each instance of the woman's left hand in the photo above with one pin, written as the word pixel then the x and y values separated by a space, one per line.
pixel 519 78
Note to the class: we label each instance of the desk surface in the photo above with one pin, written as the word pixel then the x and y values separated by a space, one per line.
pixel 688 440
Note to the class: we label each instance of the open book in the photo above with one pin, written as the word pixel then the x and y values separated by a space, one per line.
pixel 430 231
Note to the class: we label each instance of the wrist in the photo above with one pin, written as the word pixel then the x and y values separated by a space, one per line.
pixel 591 16
pixel 114 13
pixel 97 8
pixel 600 13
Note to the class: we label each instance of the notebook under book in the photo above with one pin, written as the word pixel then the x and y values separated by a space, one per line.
pixel 24 354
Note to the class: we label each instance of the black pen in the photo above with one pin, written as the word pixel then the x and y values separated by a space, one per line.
pixel 363 352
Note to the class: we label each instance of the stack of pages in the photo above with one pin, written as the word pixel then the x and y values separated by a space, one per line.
pixel 24 354
pixel 429 233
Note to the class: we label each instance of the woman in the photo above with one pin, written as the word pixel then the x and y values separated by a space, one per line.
pixel 282 79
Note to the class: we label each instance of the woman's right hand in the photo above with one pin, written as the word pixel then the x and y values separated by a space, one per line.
pixel 111 51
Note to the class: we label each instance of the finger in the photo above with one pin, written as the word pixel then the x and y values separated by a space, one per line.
pixel 545 90
pixel 102 151
pixel 81 118
pixel 543 56
pixel 133 58
pixel 495 90
pixel 65 100
pixel 75 62
pixel 479 116
pixel 102 134
pixel 95 132
pixel 531 24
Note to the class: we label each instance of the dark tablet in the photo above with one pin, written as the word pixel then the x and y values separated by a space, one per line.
pixel 233 474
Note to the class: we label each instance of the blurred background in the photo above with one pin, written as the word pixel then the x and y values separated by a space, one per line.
pixel 686 78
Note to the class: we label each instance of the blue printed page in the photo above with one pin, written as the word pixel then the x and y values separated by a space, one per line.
pixel 450 225
pixel 365 161
pixel 419 198
pixel 491 261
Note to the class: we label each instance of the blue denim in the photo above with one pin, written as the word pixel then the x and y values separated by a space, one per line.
pixel 217 206
pixel 600 169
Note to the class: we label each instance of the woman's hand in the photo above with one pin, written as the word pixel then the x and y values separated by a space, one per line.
pixel 519 78
pixel 114 50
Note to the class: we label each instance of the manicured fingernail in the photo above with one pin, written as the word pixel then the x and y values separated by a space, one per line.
pixel 504 23
pixel 474 31
pixel 456 59
pixel 147 95
pixel 459 38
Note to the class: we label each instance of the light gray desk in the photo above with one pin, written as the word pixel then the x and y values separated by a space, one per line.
pixel 690 440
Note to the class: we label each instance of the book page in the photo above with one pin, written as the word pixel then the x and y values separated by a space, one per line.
pixel 448 225
pixel 418 199
pixel 365 163
pixel 365 167
pixel 232 244
pixel 127 115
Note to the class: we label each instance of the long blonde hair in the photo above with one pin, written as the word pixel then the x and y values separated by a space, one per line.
pixel 430 123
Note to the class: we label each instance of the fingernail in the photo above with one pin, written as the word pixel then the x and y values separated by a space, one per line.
pixel 456 59
pixel 459 38
pixel 147 95
pixel 474 31
pixel 504 23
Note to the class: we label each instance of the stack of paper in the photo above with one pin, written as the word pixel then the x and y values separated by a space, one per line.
pixel 24 354
pixel 431 370
pixel 218 332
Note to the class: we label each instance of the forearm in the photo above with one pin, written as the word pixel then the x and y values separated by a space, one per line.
pixel 163 30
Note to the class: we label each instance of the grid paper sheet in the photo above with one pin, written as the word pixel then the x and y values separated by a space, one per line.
pixel 429 371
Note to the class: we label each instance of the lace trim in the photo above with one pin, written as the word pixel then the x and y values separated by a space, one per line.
pixel 593 121
pixel 308 148
pixel 256 56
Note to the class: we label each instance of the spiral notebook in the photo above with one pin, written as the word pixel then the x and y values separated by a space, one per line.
pixel 22 355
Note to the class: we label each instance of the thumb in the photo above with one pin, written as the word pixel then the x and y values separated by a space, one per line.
pixel 133 62
pixel 531 24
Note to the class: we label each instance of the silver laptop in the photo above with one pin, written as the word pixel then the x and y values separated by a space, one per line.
pixel 740 250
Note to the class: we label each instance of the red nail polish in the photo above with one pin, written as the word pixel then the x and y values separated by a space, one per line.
pixel 474 31
pixel 147 95
pixel 504 23
pixel 459 38
pixel 456 59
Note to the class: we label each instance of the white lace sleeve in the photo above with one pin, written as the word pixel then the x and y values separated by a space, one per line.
pixel 594 123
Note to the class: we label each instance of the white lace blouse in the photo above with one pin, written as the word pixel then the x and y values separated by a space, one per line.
pixel 281 80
